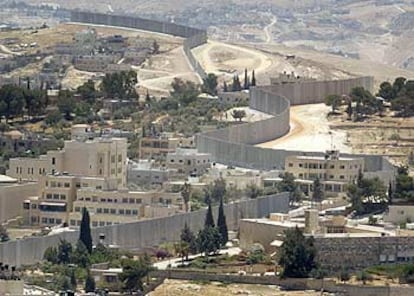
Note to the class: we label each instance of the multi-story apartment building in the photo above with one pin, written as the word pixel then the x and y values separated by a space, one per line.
pixel 99 157
pixel 62 197
pixel 189 161
pixel 333 171
pixel 160 146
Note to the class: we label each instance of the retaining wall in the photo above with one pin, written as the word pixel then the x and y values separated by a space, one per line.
pixel 146 233
pixel 193 37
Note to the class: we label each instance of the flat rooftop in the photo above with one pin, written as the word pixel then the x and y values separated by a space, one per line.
pixel 288 224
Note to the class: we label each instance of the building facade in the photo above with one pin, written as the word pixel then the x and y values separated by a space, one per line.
pixel 333 171
pixel 189 161
pixel 99 157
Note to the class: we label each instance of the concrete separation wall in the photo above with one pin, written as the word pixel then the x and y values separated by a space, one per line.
pixel 146 233
pixel 193 37
pixel 235 145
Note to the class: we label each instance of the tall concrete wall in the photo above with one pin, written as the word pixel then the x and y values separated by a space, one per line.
pixel 145 233
pixel 193 37
pixel 235 145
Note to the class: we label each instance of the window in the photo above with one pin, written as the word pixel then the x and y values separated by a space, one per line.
pixel 53 161
pixel 331 176
pixel 49 196
pixel 94 224
pixel 26 206
pixel 113 158
pixel 106 211
pixel 78 185
pixel 135 212
pixel 121 212
pixel 113 211
pixel 62 197
pixel 119 157
pixel 109 223
pixel 131 200
pixel 55 196
pixel 78 223
pixel 66 185
pixel 332 166
pixel 128 212
pixel 59 184
pixel 125 200
pixel 34 206
pixel 342 167
pixel 138 200
pixel 99 210
pixel 58 221
pixel 341 177
pixel 51 220
pixel 34 219
pixel 100 171
pixel 77 209
pixel 119 170
pixel 103 199
pixel 290 164
pixel 72 222
pixel 44 220
pixel 101 223
pixel 100 160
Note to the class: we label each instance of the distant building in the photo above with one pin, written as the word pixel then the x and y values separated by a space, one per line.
pixel 99 157
pixel 144 173
pixel 189 161
pixel 62 196
pixel 285 78
pixel 333 171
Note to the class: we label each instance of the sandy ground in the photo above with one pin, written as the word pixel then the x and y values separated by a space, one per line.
pixel 187 288
pixel 75 78
pixel 159 71
pixel 310 131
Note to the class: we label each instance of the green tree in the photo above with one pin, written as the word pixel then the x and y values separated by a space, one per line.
pixel 11 101
pixel 188 236
pixel 81 255
pixel 297 254
pixel 4 235
pixel 363 276
pixel 66 103
pixel 210 84
pixel 133 271
pixel 185 92
pixel 35 101
pixel 334 101
pixel 88 91
pixel 186 194
pixel 64 252
pixel 214 192
pixel 386 91
pixel 90 285
pixel 288 184
pixel 120 85
pixel 344 275
pixel 222 224
pixel 51 255
pixel 253 191
pixel 317 193
pixel 209 220
pixel 349 110
pixel 72 277
pixel 155 47
pixel 85 230
pixel 238 114
pixel 208 240
pixel 246 80
pixel 253 82
pixel 236 86
pixel 225 87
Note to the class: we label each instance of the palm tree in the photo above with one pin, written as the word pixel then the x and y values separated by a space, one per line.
pixel 186 193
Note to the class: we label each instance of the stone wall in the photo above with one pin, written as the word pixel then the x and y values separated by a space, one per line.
pixel 193 37
pixel 12 288
pixel 146 233
pixel 361 252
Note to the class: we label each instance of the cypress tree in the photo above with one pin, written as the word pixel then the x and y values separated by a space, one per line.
pixel 89 283
pixel 390 193
pixel 253 83
pixel 317 194
pixel 85 230
pixel 222 224
pixel 225 88
pixel 209 221
pixel 246 80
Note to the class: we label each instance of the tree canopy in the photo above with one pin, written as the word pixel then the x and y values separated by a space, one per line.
pixel 297 254
pixel 210 84
pixel 120 85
